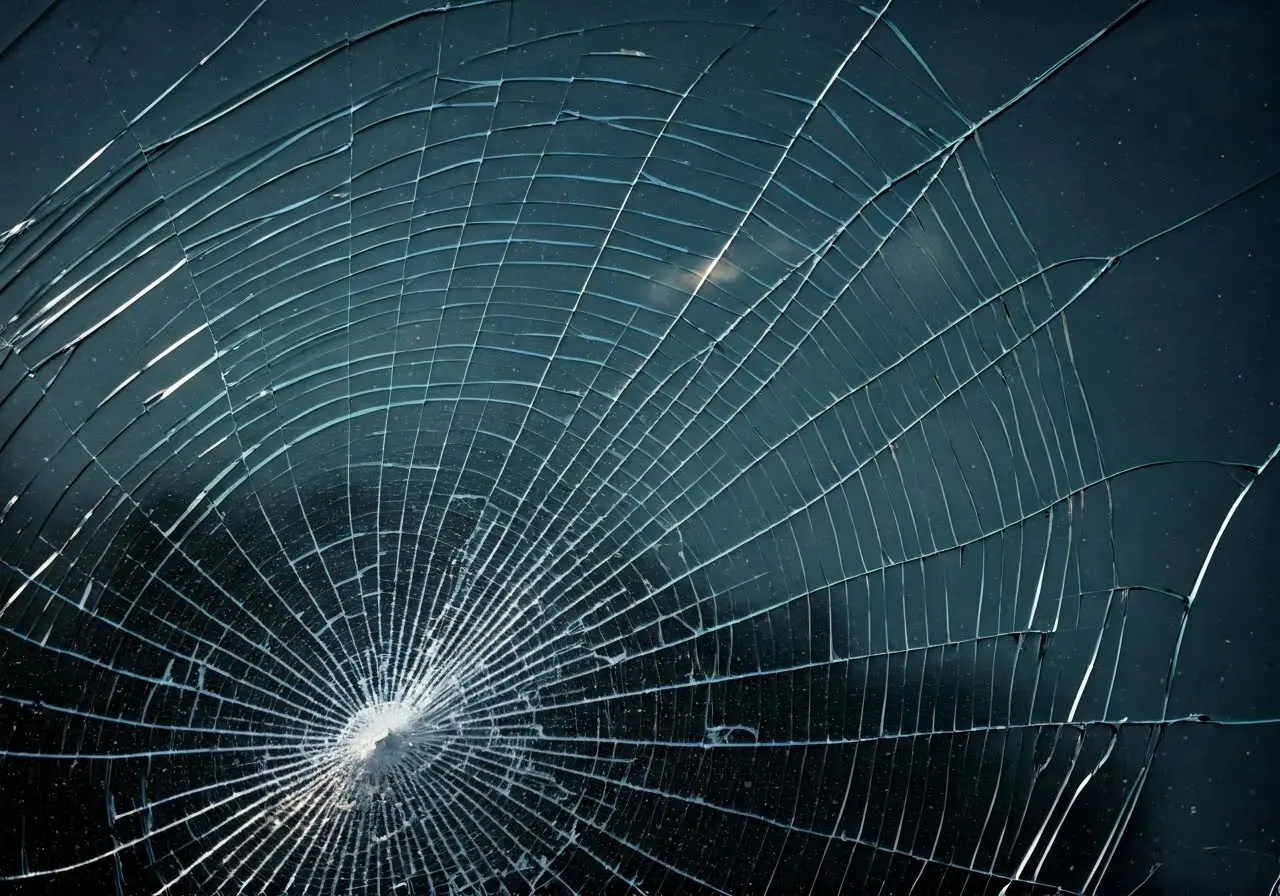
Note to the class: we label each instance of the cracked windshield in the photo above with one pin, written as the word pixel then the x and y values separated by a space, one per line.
pixel 669 448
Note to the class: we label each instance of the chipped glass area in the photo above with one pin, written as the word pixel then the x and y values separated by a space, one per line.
pixel 541 446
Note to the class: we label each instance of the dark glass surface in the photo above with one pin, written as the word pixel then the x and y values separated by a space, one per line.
pixel 613 447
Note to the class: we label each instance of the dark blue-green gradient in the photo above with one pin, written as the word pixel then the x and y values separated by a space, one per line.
pixel 541 446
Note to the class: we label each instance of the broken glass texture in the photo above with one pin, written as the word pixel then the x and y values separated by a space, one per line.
pixel 669 448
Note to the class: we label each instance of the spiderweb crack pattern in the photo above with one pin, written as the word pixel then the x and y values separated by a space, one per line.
pixel 515 446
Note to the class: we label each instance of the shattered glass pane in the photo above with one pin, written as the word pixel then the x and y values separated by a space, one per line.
pixel 665 447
